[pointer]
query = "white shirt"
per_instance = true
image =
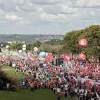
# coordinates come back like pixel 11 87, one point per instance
pixel 98 96
pixel 66 86
pixel 58 89
pixel 7 85
pixel 76 90
pixel 23 83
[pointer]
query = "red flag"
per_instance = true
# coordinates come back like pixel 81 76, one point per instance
pixel 49 57
pixel 88 84
pixel 31 57
pixel 66 57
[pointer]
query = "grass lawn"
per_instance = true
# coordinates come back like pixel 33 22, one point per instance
pixel 11 72
pixel 43 94
pixel 24 94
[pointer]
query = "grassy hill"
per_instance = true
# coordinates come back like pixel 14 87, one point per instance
pixel 26 94
pixel 11 72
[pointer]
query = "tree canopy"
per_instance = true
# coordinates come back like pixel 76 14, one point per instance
pixel 92 34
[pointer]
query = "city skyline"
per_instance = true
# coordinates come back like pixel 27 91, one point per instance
pixel 47 16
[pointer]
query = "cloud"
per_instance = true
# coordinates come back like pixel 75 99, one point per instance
pixel 59 16
pixel 13 17
pixel 23 22
pixel 48 6
pixel 47 2
pixel 86 3
pixel 59 9
pixel 52 17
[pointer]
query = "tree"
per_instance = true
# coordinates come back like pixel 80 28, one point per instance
pixel 55 42
pixel 92 34
pixel 56 49
pixel 16 46
pixel 71 42
pixel 35 44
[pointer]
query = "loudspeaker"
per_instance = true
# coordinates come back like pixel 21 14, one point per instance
pixel 57 61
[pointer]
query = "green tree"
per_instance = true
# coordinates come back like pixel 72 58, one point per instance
pixel 34 44
pixel 16 46
pixel 71 42
pixel 92 34
pixel 55 42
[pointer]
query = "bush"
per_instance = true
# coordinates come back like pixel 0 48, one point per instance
pixel 4 79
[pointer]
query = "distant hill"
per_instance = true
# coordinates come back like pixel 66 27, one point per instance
pixel 28 38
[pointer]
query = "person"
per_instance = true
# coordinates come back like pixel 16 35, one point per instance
pixel 81 96
pixel 39 84
pixel 98 95
pixel 58 90
pixel 16 71
pixel 32 86
pixel 61 85
pixel 21 78
pixel 7 86
pixel 94 96
pixel 54 88
pixel 21 84
pixel 27 84
pixel 88 96
pixel 66 87
pixel 66 95
pixel 59 96
pixel 13 88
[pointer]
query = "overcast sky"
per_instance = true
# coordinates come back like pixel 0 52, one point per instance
pixel 47 16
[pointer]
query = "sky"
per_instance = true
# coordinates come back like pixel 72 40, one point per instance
pixel 47 16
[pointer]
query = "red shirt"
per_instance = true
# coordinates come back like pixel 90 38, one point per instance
pixel 59 95
pixel 35 83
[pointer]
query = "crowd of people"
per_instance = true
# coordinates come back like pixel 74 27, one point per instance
pixel 62 84
pixel 76 79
